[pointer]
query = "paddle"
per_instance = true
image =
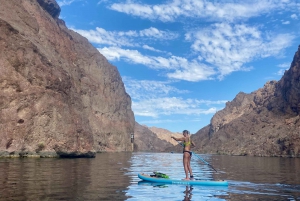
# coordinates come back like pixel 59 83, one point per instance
pixel 200 158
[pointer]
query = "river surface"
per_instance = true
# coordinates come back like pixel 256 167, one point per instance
pixel 113 176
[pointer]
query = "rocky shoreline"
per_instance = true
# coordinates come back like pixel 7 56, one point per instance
pixel 46 154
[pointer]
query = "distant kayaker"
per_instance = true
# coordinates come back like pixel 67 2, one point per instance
pixel 187 154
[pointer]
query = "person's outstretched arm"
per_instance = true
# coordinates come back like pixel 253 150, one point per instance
pixel 178 139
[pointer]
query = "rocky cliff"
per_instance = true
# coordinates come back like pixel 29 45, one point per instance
pixel 58 95
pixel 146 140
pixel 263 123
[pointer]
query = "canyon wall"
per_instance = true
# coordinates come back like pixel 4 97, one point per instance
pixel 58 95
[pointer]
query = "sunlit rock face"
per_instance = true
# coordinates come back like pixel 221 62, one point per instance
pixel 58 95
pixel 263 123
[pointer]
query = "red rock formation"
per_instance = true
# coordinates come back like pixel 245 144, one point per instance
pixel 263 123
pixel 58 94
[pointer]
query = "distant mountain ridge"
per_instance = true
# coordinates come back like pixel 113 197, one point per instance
pixel 165 134
pixel 262 123
pixel 146 140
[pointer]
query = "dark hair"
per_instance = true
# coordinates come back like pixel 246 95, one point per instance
pixel 186 131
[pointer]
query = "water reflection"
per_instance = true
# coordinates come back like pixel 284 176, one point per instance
pixel 101 178
pixel 258 169
pixel 30 179
pixel 188 193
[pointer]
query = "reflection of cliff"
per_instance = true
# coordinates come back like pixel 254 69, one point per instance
pixel 263 123
pixel 55 179
pixel 58 94
pixel 68 179
pixel 108 181
pixel 146 140
pixel 256 169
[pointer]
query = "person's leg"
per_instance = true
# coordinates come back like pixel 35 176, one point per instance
pixel 189 166
pixel 185 164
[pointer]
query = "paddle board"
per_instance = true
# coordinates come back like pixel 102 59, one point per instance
pixel 146 177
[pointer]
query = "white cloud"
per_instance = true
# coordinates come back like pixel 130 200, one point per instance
pixel 102 1
pixel 170 105
pixel 229 47
pixel 294 16
pixel 284 65
pixel 125 38
pixel 160 121
pixel 285 22
pixel 163 121
pixel 155 33
pixel 101 36
pixel 146 47
pixel 132 56
pixel 193 72
pixel 220 48
pixel 281 72
pixel 147 89
pixel 178 67
pixel 216 10
pixel 156 98
pixel 65 2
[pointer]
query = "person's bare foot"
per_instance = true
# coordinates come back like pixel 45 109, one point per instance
pixel 185 179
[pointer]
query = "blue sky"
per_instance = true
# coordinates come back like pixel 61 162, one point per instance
pixel 182 60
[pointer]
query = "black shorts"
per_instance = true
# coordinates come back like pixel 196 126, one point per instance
pixel 189 152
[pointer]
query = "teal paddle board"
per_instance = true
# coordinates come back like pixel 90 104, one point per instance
pixel 148 178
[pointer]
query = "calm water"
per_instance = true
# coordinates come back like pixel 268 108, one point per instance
pixel 113 176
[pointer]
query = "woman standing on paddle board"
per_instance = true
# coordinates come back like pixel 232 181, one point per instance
pixel 187 154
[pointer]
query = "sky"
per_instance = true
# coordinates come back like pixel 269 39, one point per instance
pixel 182 60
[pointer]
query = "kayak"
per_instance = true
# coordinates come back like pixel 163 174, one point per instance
pixel 148 178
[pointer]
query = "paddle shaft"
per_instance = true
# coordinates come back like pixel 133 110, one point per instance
pixel 200 158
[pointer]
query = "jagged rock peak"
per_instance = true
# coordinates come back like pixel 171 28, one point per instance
pixel 51 7
pixel 289 88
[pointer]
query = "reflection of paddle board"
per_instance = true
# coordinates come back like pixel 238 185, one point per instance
pixel 184 182
pixel 147 183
